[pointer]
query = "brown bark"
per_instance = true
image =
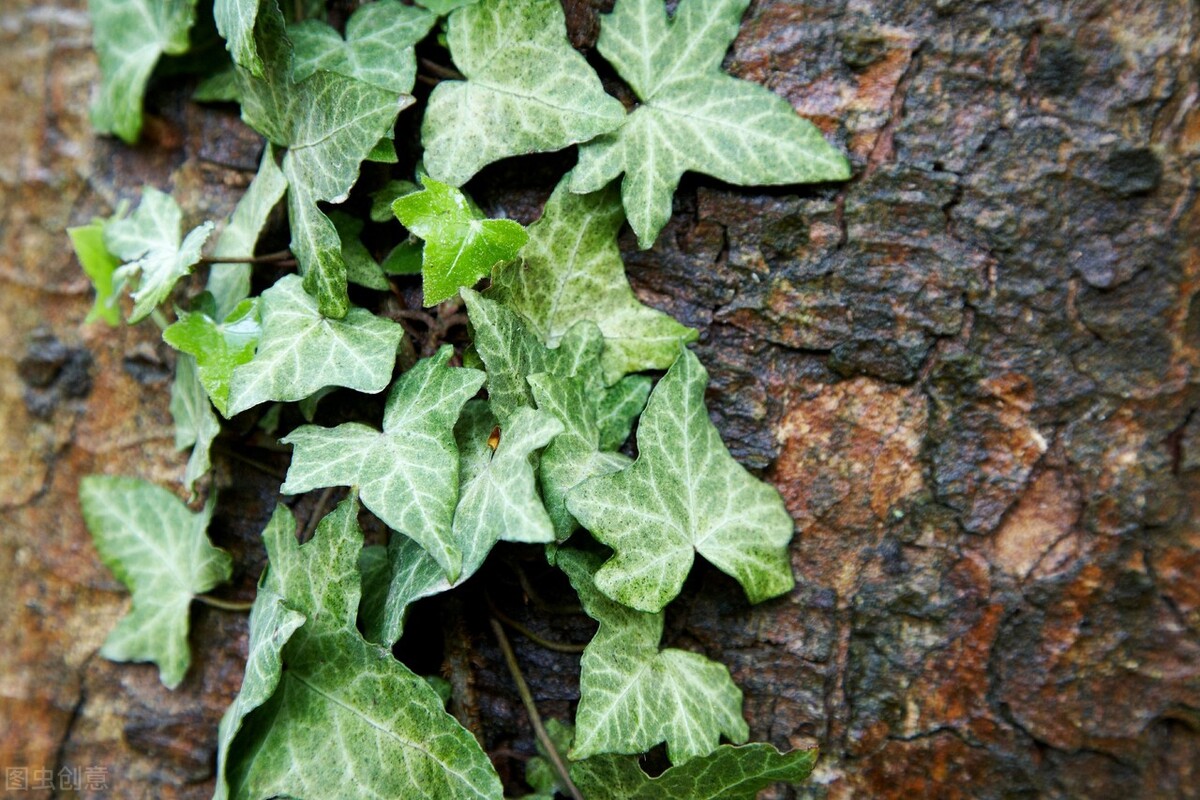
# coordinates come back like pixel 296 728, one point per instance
pixel 971 370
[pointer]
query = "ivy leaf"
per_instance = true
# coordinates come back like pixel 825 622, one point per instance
pixel 540 773
pixel 693 116
pixel 129 37
pixel 619 407
pixel 217 347
pixel 330 124
pixel 235 22
pixel 571 270
pixel 632 695
pixel 230 283
pixel 302 351
pixel 461 244
pixel 377 50
pixel 160 551
pixel 512 353
pixel 498 502
pixel 384 730
pixel 361 267
pixel 272 624
pixel 684 495
pixel 574 456
pixel 727 773
pixel 98 264
pixel 408 474
pixel 382 199
pixel 151 244
pixel 444 7
pixel 527 90
pixel 196 426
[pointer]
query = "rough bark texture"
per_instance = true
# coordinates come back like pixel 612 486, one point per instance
pixel 971 370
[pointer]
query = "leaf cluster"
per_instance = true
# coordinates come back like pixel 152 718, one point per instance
pixel 522 432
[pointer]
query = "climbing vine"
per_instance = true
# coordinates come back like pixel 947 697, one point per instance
pixel 532 398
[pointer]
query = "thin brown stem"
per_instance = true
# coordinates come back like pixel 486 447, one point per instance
pixel 442 71
pixel 510 658
pixel 549 644
pixel 226 605
pixel 265 469
pixel 267 258
pixel 317 513
pixel 537 599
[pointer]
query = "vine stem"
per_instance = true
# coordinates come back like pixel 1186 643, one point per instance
pixel 225 605
pixel 514 668
pixel 549 644
pixel 441 71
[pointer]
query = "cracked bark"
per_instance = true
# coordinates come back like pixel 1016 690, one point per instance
pixel 971 370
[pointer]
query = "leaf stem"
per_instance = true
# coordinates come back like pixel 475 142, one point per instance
pixel 549 644
pixel 160 319
pixel 442 72
pixel 225 605
pixel 510 658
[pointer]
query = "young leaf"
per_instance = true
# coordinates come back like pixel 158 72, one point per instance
pixel 230 283
pixel 684 495
pixel 632 695
pixel 574 456
pixel 196 426
pixel 98 264
pixel 512 353
pixel 572 270
pixel 302 351
pixel 377 50
pixel 383 730
pixel 727 773
pixel 461 245
pixel 693 116
pixel 129 36
pixel 150 243
pixel 408 474
pixel 218 348
pixel 160 551
pixel 235 22
pixel 498 502
pixel 527 90
pixel 330 124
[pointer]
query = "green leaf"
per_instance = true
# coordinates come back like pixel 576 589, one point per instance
pixel 129 37
pixel 444 7
pixel 693 116
pixel 512 353
pixel 498 502
pixel 218 347
pixel 160 551
pixel 619 407
pixel 230 283
pixel 235 22
pixel 377 50
pixel 684 495
pixel 302 351
pixel 361 267
pixel 382 199
pixel 632 695
pixel 330 124
pixel 196 426
pixel 383 730
pixel 384 152
pixel 98 264
pixel 574 456
pixel 572 270
pixel 272 624
pixel 727 773
pixel 527 90
pixel 220 87
pixel 540 773
pixel 408 474
pixel 151 245
pixel 461 244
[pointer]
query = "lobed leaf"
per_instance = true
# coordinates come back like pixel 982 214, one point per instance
pixel 160 551
pixel 196 426
pixel 98 264
pixel 693 117
pixel 685 494
pixel 217 348
pixel 527 90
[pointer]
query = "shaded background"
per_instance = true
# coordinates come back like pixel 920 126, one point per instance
pixel 971 370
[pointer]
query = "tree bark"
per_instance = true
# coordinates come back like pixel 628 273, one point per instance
pixel 971 370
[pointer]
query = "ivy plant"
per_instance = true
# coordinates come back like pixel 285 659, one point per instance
pixel 525 394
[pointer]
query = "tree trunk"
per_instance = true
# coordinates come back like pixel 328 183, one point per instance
pixel 971 370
